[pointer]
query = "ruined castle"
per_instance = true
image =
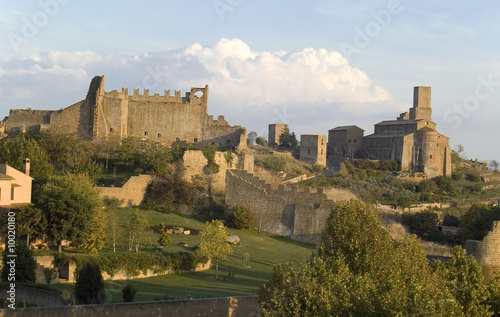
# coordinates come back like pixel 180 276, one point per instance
pixel 114 115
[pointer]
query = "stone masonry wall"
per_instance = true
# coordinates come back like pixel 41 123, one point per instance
pixel 299 213
pixel 132 192
pixel 487 251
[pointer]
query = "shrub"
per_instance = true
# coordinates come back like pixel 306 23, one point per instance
pixel 474 176
pixel 450 220
pixel 89 288
pixel 420 221
pixel 128 293
pixel 242 218
pixel 261 141
pixel 457 175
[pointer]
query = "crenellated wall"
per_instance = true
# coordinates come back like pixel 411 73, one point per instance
pixel 112 116
pixel 131 193
pixel 292 211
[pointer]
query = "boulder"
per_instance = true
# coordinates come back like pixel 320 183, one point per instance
pixel 178 230
pixel 233 239
pixel 170 231
pixel 187 232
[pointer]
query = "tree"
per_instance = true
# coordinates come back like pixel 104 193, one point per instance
pixel 29 222
pixel 358 270
pixel 146 155
pixel 288 140
pixel 128 293
pixel 242 218
pixel 111 205
pixel 69 152
pixel 89 287
pixel 214 243
pixel 69 203
pixel 14 151
pixel 97 236
pixel 137 230
pixel 477 221
pixel 464 279
pixel 261 141
pixel 494 165
pixel 252 136
pixel 25 265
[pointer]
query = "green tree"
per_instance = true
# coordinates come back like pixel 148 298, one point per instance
pixel 242 218
pixel 358 270
pixel 214 243
pixel 137 230
pixel 111 205
pixel 477 221
pixel 69 203
pixel 14 151
pixel 464 279
pixel 25 265
pixel 128 293
pixel 261 141
pixel 30 222
pixel 209 151
pixel 96 237
pixel 288 140
pixel 89 287
pixel 69 152
pixel 145 155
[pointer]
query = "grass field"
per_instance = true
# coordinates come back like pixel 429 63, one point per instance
pixel 262 251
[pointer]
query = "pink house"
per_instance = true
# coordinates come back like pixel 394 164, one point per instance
pixel 15 186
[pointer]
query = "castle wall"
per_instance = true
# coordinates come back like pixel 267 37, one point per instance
pixel 487 251
pixel 131 193
pixel 112 116
pixel 66 120
pixel 298 213
pixel 195 165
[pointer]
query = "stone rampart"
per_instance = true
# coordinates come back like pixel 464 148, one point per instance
pixel 487 251
pixel 292 211
pixel 131 193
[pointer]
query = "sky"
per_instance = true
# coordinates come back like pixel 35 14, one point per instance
pixel 311 64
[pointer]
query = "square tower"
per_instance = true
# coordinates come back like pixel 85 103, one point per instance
pixel 421 103
pixel 275 130
pixel 313 149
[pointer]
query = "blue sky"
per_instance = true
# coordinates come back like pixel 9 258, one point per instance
pixel 312 64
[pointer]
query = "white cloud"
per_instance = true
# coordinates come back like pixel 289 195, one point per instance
pixel 244 85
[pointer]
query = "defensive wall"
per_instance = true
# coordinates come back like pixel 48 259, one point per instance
pixel 487 251
pixel 132 193
pixel 112 116
pixel 244 306
pixel 296 212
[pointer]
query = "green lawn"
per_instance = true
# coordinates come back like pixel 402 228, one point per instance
pixel 261 250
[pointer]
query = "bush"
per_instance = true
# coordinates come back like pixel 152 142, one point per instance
pixel 457 176
pixel 242 218
pixel 474 176
pixel 421 221
pixel 128 293
pixel 450 220
pixel 261 141
pixel 89 287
